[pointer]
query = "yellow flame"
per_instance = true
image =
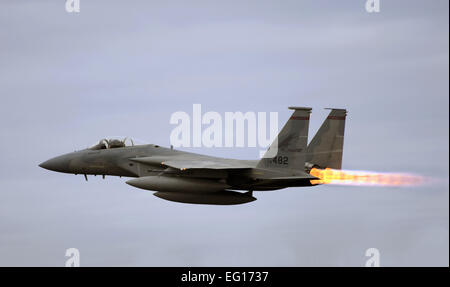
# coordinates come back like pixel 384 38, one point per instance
pixel 353 177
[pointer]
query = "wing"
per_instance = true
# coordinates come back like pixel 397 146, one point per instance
pixel 195 162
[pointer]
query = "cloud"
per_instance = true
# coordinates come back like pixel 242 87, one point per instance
pixel 115 69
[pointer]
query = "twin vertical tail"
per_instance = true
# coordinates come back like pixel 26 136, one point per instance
pixel 326 148
pixel 287 152
pixel 290 151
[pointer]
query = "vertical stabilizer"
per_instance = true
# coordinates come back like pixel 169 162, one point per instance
pixel 288 149
pixel 326 148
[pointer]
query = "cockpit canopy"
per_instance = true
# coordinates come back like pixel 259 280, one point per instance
pixel 112 143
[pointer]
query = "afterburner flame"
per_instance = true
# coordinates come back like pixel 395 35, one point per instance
pixel 353 177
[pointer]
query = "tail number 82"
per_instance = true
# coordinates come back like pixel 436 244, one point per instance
pixel 280 160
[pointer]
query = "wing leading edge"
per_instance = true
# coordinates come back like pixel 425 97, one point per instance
pixel 197 163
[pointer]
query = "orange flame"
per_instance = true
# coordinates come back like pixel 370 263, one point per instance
pixel 353 177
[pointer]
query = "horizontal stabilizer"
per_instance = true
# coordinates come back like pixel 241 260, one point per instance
pixel 308 176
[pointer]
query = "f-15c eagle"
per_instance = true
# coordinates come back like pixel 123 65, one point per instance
pixel 193 178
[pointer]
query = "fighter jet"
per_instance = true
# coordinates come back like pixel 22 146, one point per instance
pixel 194 178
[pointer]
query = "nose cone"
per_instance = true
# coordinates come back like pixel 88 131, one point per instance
pixel 60 163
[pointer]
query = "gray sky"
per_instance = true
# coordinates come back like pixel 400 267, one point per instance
pixel 67 80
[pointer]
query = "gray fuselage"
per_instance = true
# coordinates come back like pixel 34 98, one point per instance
pixel 121 161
